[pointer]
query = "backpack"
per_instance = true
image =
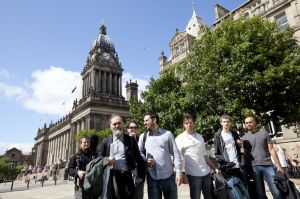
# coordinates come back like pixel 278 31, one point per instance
pixel 231 188
pixel 93 180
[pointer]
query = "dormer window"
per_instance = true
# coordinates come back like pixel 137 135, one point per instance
pixel 282 21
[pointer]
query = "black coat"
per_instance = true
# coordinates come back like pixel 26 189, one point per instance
pixel 79 161
pixel 220 151
pixel 286 187
pixel 132 154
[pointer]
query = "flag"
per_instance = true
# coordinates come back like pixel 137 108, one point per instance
pixel 73 89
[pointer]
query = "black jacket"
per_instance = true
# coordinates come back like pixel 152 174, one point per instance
pixel 132 154
pixel 79 161
pixel 220 151
pixel 286 187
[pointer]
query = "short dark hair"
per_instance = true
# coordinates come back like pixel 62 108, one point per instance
pixel 225 116
pixel 131 122
pixel 153 115
pixel 188 116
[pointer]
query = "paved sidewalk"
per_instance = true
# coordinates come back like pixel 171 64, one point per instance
pixel 65 190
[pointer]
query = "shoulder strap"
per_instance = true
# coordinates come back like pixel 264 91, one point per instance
pixel 144 142
pixel 109 141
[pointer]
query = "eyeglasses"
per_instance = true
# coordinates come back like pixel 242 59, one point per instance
pixel 133 127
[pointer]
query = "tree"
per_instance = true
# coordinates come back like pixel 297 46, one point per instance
pixel 8 170
pixel 95 136
pixel 242 65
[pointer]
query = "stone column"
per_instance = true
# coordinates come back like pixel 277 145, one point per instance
pixel 92 74
pixel 110 84
pixel 38 155
pixel 99 81
pixel 61 146
pixel 56 149
pixel 77 131
pixel 104 82
pixel 67 145
pixel 73 135
pixel 120 84
pixel 49 152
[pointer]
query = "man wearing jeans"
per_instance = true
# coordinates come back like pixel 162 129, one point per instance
pixel 192 149
pixel 160 152
pixel 260 148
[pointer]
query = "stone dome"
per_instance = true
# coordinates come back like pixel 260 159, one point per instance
pixel 103 41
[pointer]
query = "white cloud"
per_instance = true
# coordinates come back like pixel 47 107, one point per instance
pixel 141 81
pixel 4 73
pixel 51 91
pixel 13 91
pixel 24 147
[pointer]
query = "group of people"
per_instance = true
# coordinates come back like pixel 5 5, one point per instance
pixel 165 162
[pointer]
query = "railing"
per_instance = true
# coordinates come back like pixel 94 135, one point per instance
pixel 18 185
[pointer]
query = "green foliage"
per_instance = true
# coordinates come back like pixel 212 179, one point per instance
pixel 243 67
pixel 165 97
pixel 86 133
pixel 104 133
pixel 91 132
pixel 7 170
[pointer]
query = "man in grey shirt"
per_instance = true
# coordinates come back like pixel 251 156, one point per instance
pixel 160 152
pixel 258 145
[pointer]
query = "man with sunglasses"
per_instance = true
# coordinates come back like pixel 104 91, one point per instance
pixel 138 192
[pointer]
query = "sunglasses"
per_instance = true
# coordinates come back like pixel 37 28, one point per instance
pixel 133 127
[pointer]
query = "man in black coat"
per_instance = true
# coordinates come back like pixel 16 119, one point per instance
pixel 124 156
pixel 77 164
pixel 228 149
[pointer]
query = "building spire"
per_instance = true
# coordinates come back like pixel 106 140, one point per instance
pixel 103 29
pixel 194 10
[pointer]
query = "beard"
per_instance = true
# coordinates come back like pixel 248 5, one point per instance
pixel 117 132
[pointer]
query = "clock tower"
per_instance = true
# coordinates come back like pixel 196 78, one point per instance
pixel 102 74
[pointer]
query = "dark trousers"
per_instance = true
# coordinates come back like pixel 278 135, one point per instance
pixel 138 192
pixel 81 194
pixel 167 187
pixel 124 184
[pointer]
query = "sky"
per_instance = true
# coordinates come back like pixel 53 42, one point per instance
pixel 44 46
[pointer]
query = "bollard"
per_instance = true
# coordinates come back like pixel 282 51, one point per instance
pixel 42 183
pixel 28 181
pixel 12 185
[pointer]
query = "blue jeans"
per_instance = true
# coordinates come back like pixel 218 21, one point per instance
pixel 167 187
pixel 266 173
pixel 198 184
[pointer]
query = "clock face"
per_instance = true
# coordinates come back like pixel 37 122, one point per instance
pixel 106 56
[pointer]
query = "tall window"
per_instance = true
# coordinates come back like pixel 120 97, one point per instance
pixel 282 21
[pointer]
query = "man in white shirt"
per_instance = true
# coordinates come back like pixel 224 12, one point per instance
pixel 196 163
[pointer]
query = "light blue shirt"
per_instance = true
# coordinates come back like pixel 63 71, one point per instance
pixel 118 150
pixel 162 148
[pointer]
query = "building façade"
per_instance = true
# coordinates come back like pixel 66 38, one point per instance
pixel 101 97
